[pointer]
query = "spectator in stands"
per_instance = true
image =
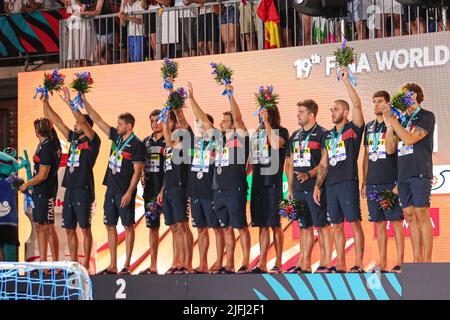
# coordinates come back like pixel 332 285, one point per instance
pixel 14 6
pixel 104 29
pixel 248 22
pixel 435 19
pixel 287 16
pixel 388 8
pixel 80 40
pixel 358 14
pixel 416 19
pixel 208 27
pixel 187 29
pixel 306 28
pixel 46 4
pixel 151 23
pixel 229 26
pixel 441 25
pixel 134 22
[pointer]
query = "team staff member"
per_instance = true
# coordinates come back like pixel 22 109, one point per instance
pixel 45 186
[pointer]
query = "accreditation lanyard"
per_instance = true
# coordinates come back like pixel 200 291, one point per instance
pixel 73 148
pixel 376 138
pixel 412 116
pixel 120 147
pixel 202 149
pixel 306 141
pixel 261 140
pixel 334 140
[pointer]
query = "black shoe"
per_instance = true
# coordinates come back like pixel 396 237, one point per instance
pixel 257 270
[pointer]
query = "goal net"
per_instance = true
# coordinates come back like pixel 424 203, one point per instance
pixel 44 281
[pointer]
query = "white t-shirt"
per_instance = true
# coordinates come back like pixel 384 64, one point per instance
pixel 49 4
pixel 134 29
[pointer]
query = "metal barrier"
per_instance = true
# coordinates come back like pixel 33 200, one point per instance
pixel 180 31
pixel 229 26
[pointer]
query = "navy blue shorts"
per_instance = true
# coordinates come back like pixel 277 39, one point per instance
pixel 230 207
pixel 264 205
pixel 415 192
pixel 343 202
pixel 155 221
pixel 44 209
pixel 377 214
pixel 175 207
pixel 113 210
pixel 77 208
pixel 203 214
pixel 314 215
pixel 229 15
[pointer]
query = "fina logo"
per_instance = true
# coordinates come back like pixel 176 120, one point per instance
pixel 304 66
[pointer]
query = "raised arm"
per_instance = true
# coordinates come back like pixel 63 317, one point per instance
pixel 357 114
pixel 95 116
pixel 198 112
pixel 181 119
pixel 167 134
pixel 236 112
pixel 55 118
pixel 275 140
pixel 87 129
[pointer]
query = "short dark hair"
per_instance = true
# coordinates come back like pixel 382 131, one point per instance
pixel 88 120
pixel 228 113
pixel 309 104
pixel 343 103
pixel 155 112
pixel 127 117
pixel 414 87
pixel 43 127
pixel 382 94
pixel 210 118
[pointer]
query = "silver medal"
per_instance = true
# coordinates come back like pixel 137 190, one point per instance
pixel 219 170
pixel 403 150
pixel 71 169
pixel 333 161
pixel 302 161
pixel 199 175
pixel 374 157
pixel 114 170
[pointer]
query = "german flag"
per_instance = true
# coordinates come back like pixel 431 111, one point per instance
pixel 269 15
